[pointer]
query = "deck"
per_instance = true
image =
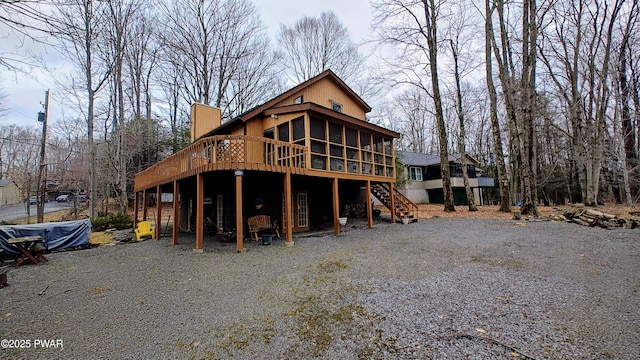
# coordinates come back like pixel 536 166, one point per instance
pixel 242 152
pixel 224 152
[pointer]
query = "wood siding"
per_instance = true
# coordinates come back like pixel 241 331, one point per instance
pixel 323 93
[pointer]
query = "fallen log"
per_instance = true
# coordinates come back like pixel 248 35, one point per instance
pixel 579 221
pixel 595 218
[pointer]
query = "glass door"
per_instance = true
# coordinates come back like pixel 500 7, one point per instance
pixel 301 212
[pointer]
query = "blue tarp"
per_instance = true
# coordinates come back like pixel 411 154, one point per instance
pixel 57 235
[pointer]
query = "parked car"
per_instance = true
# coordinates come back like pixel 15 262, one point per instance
pixel 64 198
pixel 34 199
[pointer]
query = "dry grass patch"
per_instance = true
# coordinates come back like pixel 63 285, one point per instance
pixel 101 238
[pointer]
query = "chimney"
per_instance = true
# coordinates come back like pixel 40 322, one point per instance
pixel 204 118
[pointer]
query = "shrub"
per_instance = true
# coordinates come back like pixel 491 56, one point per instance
pixel 118 220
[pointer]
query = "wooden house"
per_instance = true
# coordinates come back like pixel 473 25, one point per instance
pixel 299 158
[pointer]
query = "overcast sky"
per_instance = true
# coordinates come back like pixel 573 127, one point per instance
pixel 25 93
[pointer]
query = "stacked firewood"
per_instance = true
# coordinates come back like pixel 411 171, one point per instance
pixel 595 218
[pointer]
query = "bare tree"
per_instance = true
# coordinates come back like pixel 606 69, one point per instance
pixel 168 77
pixel 520 96
pixel 312 45
pixel 3 108
pixel 18 158
pixel 461 138
pixel 503 182
pixel 255 79
pixel 211 42
pixel 25 22
pixel 576 52
pixel 625 134
pixel 81 22
pixel 119 17
pixel 416 113
pixel 411 27
pixel 623 82
pixel 141 61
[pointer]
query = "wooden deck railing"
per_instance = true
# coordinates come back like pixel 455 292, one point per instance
pixel 410 207
pixel 224 152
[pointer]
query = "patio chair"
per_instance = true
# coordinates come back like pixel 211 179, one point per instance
pixel 261 223
pixel 144 228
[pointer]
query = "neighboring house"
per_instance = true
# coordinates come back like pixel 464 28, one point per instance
pixel 9 193
pixel 300 158
pixel 424 181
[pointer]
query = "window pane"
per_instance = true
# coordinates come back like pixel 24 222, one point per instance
pixel 336 150
pixel 365 141
pixel 352 153
pixel 352 137
pixel 415 173
pixel 337 164
pixel 319 162
pixel 471 171
pixel 353 167
pixel 456 170
pixel 335 133
pixel 387 146
pixel 318 147
pixel 298 128
pixel 377 144
pixel 283 132
pixel 318 130
pixel 366 156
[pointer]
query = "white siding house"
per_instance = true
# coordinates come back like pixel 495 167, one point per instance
pixel 424 183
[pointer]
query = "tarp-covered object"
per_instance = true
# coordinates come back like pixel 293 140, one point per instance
pixel 57 235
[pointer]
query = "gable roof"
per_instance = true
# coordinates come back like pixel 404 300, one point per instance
pixel 420 159
pixel 327 74
pixel 5 182
pixel 267 109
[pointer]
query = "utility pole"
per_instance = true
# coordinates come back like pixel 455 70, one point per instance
pixel 41 181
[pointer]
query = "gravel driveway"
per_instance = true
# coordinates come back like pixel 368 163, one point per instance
pixel 440 288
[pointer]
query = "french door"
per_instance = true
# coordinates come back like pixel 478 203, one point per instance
pixel 299 211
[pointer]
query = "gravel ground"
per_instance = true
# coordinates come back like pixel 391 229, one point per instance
pixel 440 288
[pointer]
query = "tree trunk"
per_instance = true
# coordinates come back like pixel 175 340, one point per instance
pixel 461 140
pixel 88 38
pixel 503 180
pixel 432 42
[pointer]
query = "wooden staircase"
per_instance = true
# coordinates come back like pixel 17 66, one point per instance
pixel 403 207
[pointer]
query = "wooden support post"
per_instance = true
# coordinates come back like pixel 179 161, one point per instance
pixel 288 209
pixel 392 204
pixel 145 201
pixel 135 209
pixel 239 223
pixel 369 210
pixel 159 212
pixel 199 212
pixel 336 208
pixel 176 212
